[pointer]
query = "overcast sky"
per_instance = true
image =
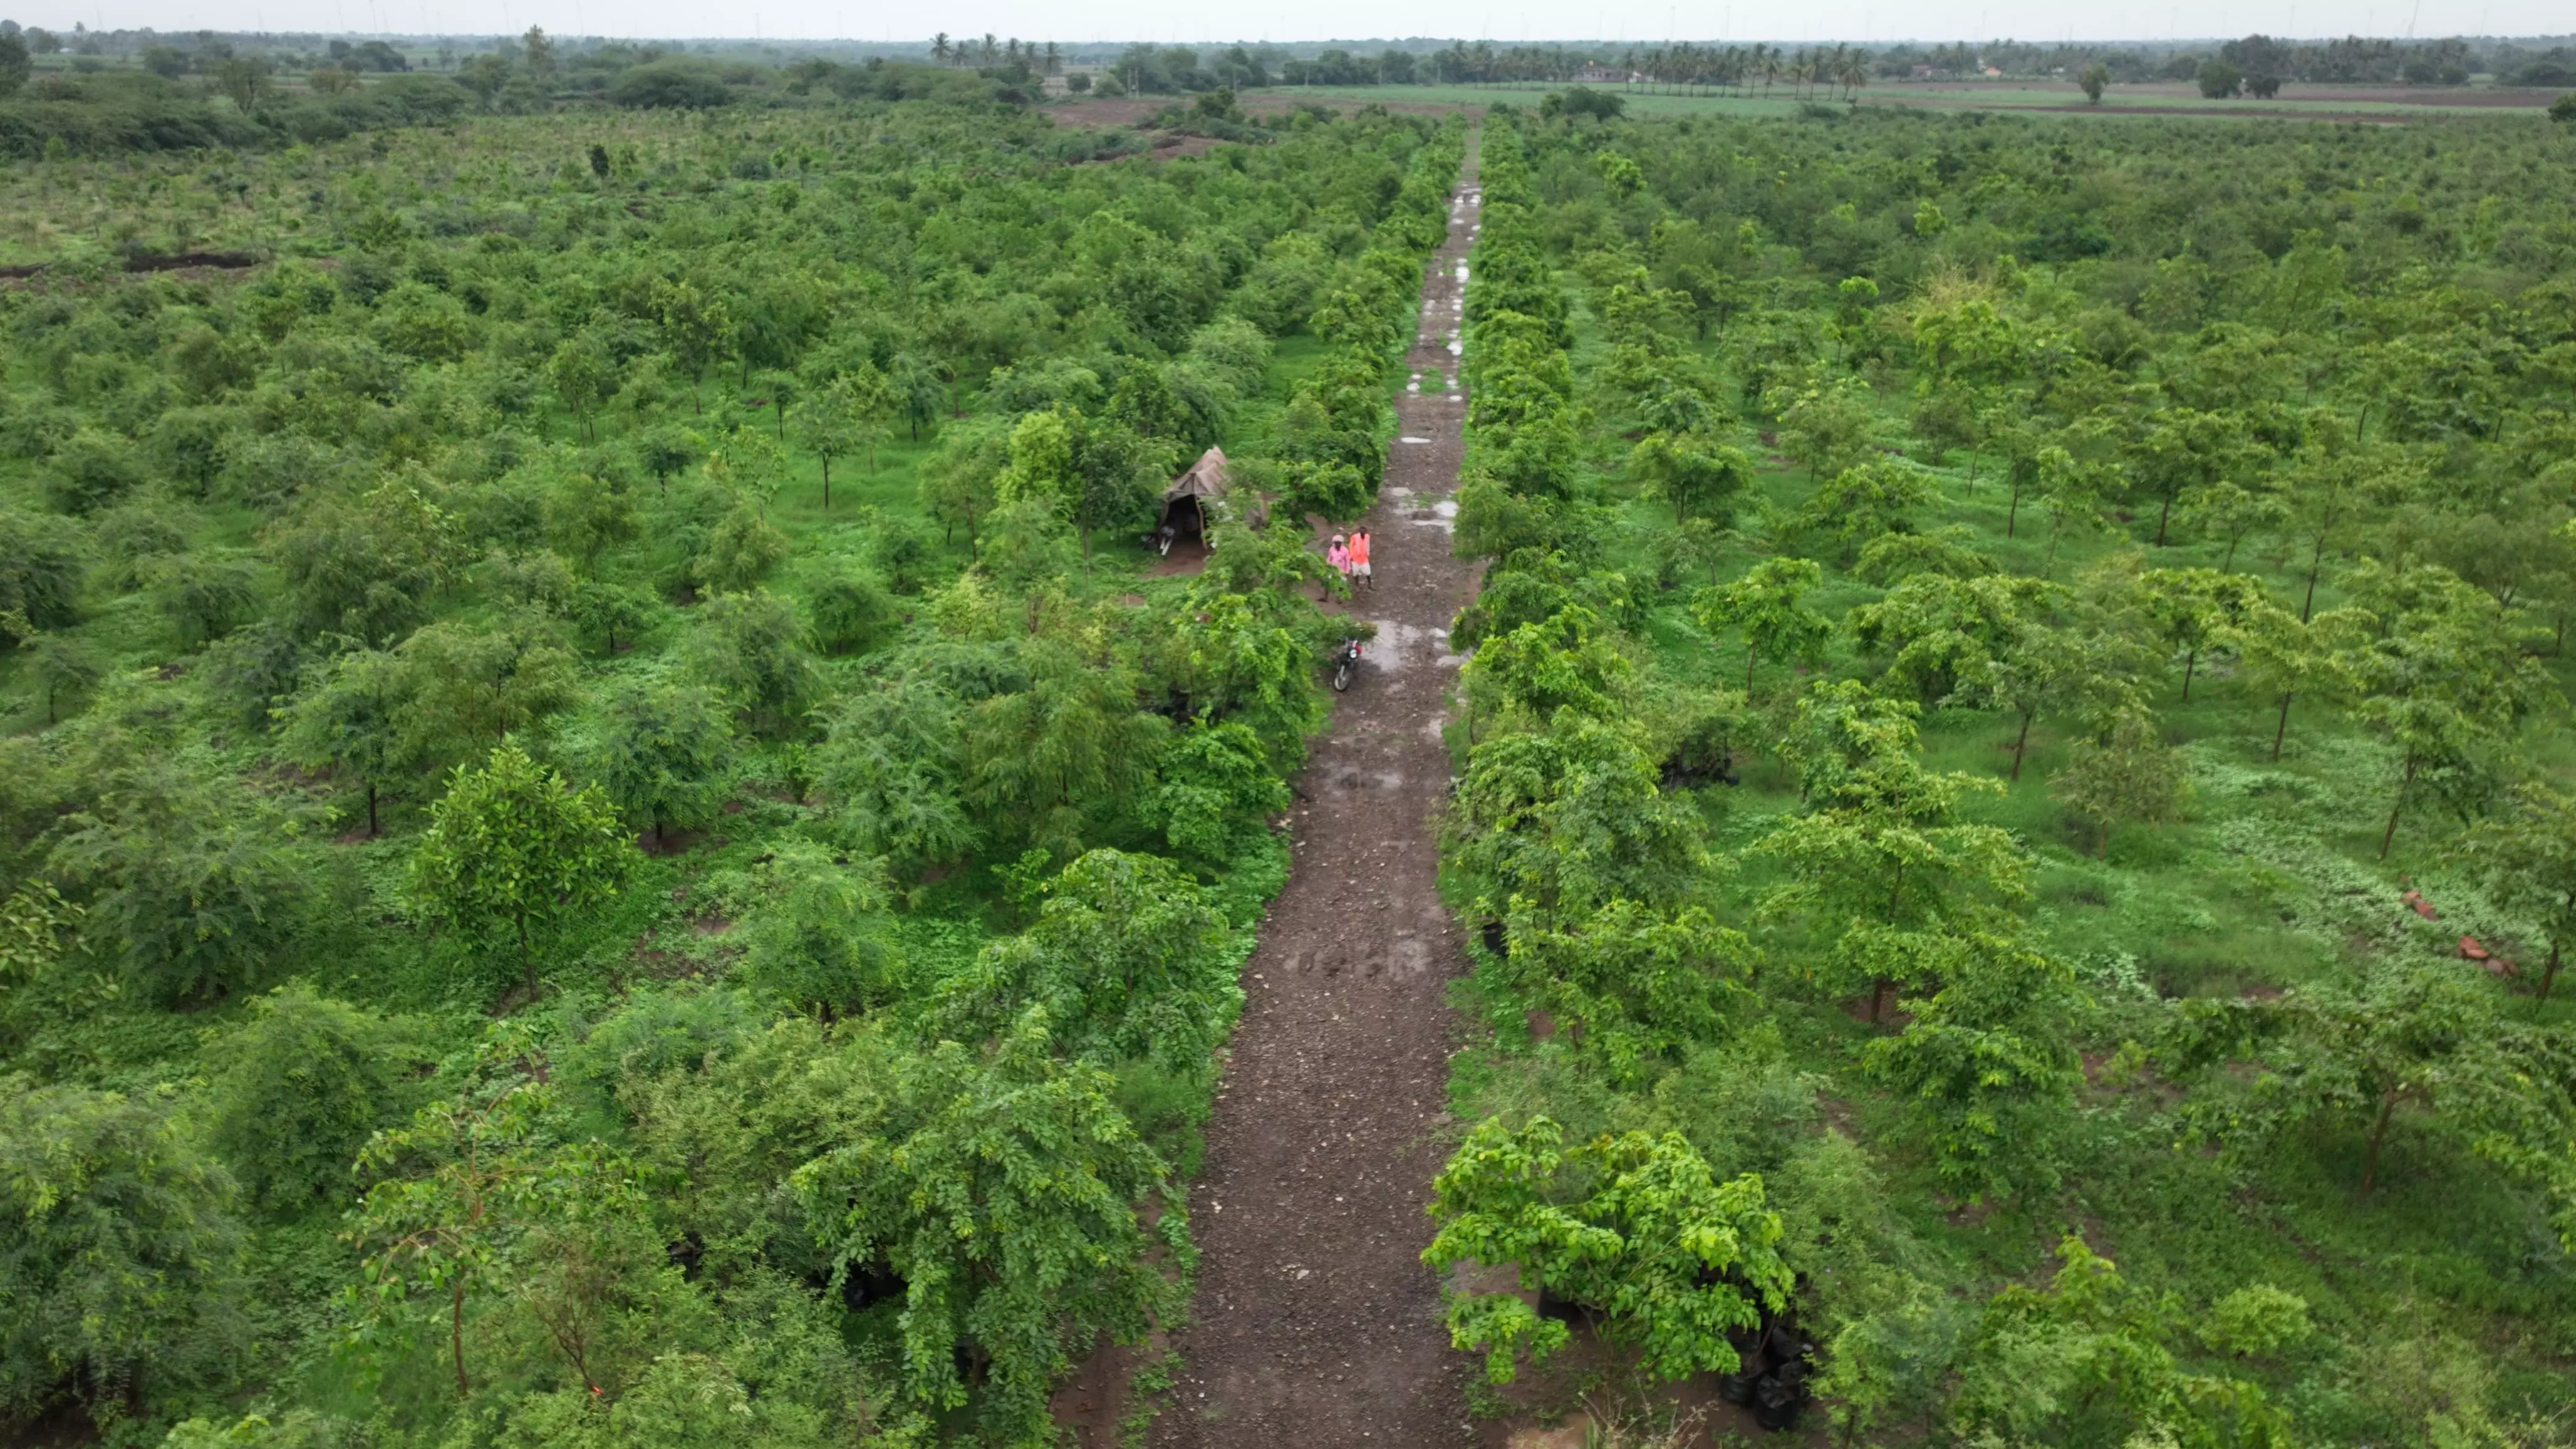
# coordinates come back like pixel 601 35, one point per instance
pixel 1195 21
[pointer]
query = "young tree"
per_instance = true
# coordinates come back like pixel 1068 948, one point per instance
pixel 1986 1065
pixel 2129 775
pixel 1699 477
pixel 749 467
pixel 2093 80
pixel 1941 633
pixel 2278 653
pixel 2528 855
pixel 1637 1228
pixel 814 932
pixel 694 328
pixel 123 1251
pixel 61 666
pixel 1002 1188
pixel 512 856
pixel 193 876
pixel 368 567
pixel 754 652
pixel 298 1088
pixel 2195 609
pixel 828 426
pixel 658 750
pixel 2446 678
pixel 1069 750
pixel 464 687
pixel 348 718
pixel 1767 603
pixel 582 376
pixel 587 514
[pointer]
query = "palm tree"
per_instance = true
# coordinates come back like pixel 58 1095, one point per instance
pixel 1054 61
pixel 991 50
pixel 939 50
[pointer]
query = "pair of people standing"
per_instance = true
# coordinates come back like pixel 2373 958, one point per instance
pixel 1351 556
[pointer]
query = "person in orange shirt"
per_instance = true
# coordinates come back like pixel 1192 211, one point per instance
pixel 1359 551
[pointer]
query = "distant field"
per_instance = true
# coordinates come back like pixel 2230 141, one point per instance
pixel 2159 99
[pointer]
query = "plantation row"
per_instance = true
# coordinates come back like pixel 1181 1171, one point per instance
pixel 608 843
pixel 2001 644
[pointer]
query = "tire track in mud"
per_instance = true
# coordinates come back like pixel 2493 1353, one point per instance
pixel 1315 1322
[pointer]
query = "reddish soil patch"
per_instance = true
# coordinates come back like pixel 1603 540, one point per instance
pixel 1316 1322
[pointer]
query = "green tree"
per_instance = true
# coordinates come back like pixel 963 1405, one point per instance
pixel 815 933
pixel 194 877
pixel 1637 1228
pixel 1067 752
pixel 1863 501
pixel 587 514
pixel 60 667
pixel 582 376
pixel 2279 653
pixel 2093 80
pixel 349 718
pixel 1942 633
pixel 1986 1065
pixel 658 751
pixel 1767 603
pixel 2445 680
pixel 368 567
pixel 512 857
pixel 2528 855
pixel 694 328
pixel 1699 477
pixel 298 1088
pixel 123 1255
pixel 2195 609
pixel 2130 775
pixel 1002 1188
pixel 464 687
pixel 477 1194
pixel 755 653
pixel 2091 1359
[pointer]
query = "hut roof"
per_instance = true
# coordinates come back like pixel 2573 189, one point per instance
pixel 1205 478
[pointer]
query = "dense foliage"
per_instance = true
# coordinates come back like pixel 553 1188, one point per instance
pixel 607 838
pixel 2017 729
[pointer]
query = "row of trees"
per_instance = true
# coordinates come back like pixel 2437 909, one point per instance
pixel 1892 893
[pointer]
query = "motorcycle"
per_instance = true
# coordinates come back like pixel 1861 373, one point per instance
pixel 1161 540
pixel 1345 659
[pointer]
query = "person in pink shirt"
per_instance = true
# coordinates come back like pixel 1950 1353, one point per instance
pixel 1339 556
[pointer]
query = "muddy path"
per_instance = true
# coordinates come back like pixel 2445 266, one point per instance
pixel 1316 1323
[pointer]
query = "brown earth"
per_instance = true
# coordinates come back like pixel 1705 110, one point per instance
pixel 1316 1323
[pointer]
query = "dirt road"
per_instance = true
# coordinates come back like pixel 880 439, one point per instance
pixel 1316 1323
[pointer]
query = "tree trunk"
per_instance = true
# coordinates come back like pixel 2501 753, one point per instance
pixel 2021 742
pixel 371 809
pixel 2164 517
pixel 2390 833
pixel 456 1335
pixel 827 482
pixel 2190 662
pixel 2378 1133
pixel 2316 561
pixel 2549 974
pixel 2282 729
pixel 2012 514
pixel 1877 999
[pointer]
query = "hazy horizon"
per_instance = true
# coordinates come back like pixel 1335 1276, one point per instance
pixel 1861 22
